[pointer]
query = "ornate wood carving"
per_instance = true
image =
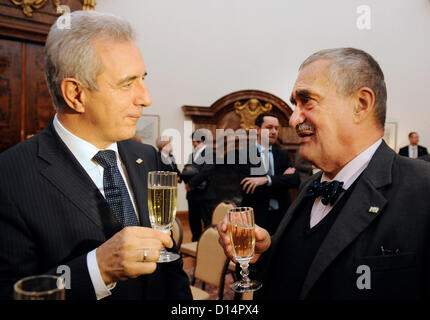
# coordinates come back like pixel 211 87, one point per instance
pixel 10 92
pixel 28 6
pixel 39 110
pixel 249 111
pixel 89 4
pixel 25 104
pixel 14 22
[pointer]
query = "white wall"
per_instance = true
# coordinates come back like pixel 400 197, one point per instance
pixel 197 51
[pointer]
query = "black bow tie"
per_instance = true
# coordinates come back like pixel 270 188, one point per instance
pixel 329 191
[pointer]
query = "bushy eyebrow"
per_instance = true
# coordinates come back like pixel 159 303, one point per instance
pixel 128 79
pixel 292 100
pixel 300 95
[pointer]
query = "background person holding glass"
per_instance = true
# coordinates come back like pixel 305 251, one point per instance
pixel 76 194
pixel 165 153
pixel 360 228
pixel 197 176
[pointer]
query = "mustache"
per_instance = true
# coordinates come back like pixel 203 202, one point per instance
pixel 304 127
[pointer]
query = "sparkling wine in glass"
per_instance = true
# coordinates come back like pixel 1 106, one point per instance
pixel 242 237
pixel 162 198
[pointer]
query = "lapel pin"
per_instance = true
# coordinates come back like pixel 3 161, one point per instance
pixel 373 209
pixel 139 161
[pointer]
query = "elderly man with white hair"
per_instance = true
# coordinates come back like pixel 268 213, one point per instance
pixel 359 229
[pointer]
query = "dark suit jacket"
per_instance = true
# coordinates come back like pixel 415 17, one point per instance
pixel 51 214
pixel 201 184
pixel 405 151
pixel 303 167
pixel 259 200
pixel 398 188
pixel 425 157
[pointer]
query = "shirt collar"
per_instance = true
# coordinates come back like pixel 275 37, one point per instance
pixel 261 148
pixel 164 155
pixel 81 149
pixel 199 151
pixel 355 167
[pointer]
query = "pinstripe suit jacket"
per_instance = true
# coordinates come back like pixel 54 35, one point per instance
pixel 51 214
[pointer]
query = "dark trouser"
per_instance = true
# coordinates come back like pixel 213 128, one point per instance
pixel 199 210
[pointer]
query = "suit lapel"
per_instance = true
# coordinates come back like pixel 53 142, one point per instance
pixel 137 172
pixel 200 159
pixel 276 159
pixel 277 237
pixel 354 217
pixel 257 162
pixel 68 176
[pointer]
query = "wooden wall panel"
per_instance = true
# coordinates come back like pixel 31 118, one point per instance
pixel 38 103
pixel 14 23
pixel 10 92
pixel 25 104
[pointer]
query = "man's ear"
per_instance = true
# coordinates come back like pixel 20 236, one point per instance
pixel 364 104
pixel 73 94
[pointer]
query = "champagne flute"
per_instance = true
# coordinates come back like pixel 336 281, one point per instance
pixel 162 198
pixel 242 237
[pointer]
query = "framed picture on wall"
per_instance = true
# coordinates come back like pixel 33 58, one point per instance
pixel 390 134
pixel 148 128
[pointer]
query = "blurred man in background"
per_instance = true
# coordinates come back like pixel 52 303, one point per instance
pixel 267 192
pixel 413 150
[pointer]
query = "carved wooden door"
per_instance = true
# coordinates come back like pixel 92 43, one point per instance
pixel 25 105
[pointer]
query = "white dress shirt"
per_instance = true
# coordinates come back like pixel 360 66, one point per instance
pixel 413 152
pixel 266 154
pixel 198 152
pixel 166 158
pixel 84 152
pixel 347 175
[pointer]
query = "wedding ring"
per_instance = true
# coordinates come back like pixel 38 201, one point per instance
pixel 144 255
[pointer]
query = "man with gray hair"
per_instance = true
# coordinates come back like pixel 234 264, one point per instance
pixel 359 229
pixel 74 197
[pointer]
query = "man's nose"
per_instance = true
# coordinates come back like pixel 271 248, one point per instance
pixel 297 117
pixel 143 97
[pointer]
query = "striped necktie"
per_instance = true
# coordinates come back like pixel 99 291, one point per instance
pixel 116 192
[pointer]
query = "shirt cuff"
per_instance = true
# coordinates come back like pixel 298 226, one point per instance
pixel 269 182
pixel 101 289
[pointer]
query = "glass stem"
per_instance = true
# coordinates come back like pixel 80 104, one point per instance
pixel 244 272
pixel 163 252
